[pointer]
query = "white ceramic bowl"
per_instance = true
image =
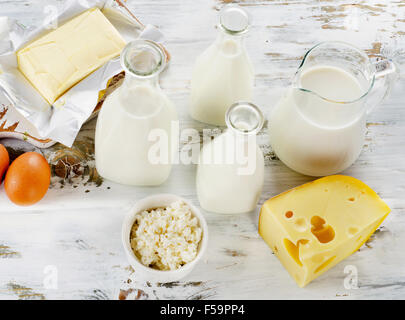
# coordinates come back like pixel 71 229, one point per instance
pixel 153 275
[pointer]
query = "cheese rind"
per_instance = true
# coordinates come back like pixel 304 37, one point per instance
pixel 315 226
pixel 57 61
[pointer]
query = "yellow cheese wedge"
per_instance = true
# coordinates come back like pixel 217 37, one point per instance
pixel 62 58
pixel 315 226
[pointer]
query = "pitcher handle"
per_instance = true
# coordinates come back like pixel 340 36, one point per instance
pixel 385 67
pixel 387 73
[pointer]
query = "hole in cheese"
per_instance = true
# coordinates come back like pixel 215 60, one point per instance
pixel 324 233
pixel 352 199
pixel 317 222
pixel 352 231
pixel 300 224
pixel 294 250
pixel 325 264
pixel 303 241
pixel 289 214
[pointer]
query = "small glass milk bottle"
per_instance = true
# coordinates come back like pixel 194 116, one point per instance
pixel 223 73
pixel 133 117
pixel 230 172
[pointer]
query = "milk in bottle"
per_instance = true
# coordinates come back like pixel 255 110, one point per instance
pixel 223 73
pixel 130 116
pixel 230 172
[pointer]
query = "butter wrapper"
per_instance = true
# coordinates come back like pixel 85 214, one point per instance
pixel 61 121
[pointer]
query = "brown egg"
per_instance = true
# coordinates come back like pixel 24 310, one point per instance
pixel 28 178
pixel 4 161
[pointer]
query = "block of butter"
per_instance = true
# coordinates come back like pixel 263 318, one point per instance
pixel 313 227
pixel 57 61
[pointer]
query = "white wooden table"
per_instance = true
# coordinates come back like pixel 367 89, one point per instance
pixel 75 231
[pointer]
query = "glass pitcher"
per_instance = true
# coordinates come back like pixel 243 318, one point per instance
pixel 318 127
pixel 230 172
pixel 133 117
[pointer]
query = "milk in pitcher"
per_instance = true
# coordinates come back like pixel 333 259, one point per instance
pixel 311 131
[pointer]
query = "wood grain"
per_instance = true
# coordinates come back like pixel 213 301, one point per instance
pixel 77 227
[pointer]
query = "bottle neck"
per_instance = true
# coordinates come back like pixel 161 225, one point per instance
pixel 234 24
pixel 234 20
pixel 244 119
pixel 224 36
pixel 142 61
pixel 133 81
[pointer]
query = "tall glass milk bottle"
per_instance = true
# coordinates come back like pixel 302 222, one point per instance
pixel 134 118
pixel 223 73
pixel 230 172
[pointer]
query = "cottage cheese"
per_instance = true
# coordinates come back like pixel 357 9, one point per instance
pixel 166 238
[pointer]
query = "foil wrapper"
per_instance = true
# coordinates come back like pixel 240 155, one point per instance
pixel 39 122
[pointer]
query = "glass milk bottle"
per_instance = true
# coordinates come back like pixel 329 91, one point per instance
pixel 132 118
pixel 223 73
pixel 230 172
pixel 318 127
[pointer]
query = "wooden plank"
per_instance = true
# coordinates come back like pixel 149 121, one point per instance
pixel 76 228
